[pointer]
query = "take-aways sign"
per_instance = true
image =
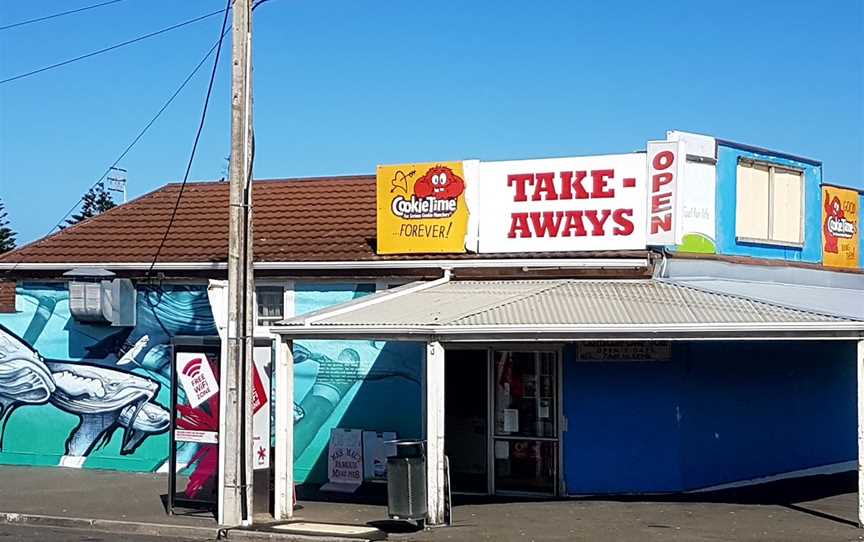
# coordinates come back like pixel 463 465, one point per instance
pixel 563 204
pixel 422 208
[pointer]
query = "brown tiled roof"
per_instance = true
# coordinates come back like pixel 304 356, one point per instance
pixel 313 219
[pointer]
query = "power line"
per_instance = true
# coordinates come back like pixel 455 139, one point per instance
pixel 55 15
pixel 110 48
pixel 197 138
pixel 140 134
pixel 146 126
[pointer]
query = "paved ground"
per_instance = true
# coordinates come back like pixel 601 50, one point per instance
pixel 816 510
pixel 89 493
pixel 14 533
pixel 819 509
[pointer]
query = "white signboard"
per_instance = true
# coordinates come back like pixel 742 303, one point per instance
pixel 196 377
pixel 201 437
pixel 345 460
pixel 665 169
pixel 262 356
pixel 563 204
pixel 697 190
pixel 377 447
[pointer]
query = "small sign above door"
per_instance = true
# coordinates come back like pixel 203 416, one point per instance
pixel 624 351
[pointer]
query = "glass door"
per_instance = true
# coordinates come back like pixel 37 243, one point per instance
pixel 525 424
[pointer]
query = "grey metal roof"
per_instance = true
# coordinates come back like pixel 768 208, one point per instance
pixel 563 307
pixel 828 292
pixel 843 302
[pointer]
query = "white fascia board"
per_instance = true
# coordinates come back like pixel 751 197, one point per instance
pixel 381 297
pixel 762 330
pixel 531 263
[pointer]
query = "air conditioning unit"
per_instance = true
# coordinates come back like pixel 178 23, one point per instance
pixel 96 297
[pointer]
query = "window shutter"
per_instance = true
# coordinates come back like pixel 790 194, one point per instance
pixel 786 204
pixel 751 209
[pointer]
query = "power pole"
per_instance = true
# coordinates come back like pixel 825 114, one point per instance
pixel 236 453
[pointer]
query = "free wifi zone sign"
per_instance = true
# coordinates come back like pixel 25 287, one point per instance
pixel 196 377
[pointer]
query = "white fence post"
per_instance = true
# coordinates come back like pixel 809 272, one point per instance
pixel 435 432
pixel 284 460
pixel 859 369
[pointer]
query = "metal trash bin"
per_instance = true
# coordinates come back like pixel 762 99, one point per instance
pixel 406 481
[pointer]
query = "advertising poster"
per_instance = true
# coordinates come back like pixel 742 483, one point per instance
pixel 196 377
pixel 261 371
pixel 563 204
pixel 421 208
pixel 840 227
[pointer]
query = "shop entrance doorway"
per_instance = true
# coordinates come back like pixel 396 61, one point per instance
pixel 525 422
pixel 502 421
pixel 466 413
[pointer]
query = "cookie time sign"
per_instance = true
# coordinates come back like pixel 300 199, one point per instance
pixel 563 204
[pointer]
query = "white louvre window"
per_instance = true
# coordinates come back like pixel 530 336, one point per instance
pixel 271 304
pixel 769 205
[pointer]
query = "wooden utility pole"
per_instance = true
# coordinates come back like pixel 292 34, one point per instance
pixel 235 491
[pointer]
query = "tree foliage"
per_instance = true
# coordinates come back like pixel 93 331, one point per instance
pixel 96 201
pixel 7 234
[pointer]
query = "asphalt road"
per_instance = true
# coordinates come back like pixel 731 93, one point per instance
pixel 16 533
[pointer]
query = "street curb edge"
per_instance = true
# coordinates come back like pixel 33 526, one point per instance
pixel 111 526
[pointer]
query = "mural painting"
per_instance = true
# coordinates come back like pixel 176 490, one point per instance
pixel 372 385
pixel 74 394
pixel 79 395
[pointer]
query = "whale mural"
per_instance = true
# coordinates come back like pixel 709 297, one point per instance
pixel 90 396
pixel 103 399
pixel 24 378
pixel 100 397
pixel 79 395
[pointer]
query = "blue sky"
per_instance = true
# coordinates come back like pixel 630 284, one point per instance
pixel 342 86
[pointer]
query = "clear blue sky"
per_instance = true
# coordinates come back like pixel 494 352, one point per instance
pixel 341 86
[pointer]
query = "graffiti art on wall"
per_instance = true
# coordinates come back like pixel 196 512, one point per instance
pixel 82 395
pixel 77 395
pixel 103 399
pixel 371 385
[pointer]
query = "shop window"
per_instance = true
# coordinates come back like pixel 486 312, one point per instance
pixel 271 304
pixel 770 204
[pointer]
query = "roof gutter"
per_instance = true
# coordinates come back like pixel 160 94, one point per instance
pixel 525 263
pixel 461 333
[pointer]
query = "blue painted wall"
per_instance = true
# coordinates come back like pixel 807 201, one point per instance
pixel 727 164
pixel 621 427
pixel 716 413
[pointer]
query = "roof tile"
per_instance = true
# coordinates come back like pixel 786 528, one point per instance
pixel 314 219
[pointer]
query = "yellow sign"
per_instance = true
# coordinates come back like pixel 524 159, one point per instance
pixel 840 227
pixel 421 208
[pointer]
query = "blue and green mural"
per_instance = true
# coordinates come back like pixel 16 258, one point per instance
pixel 74 394
pixel 82 395
pixel 372 385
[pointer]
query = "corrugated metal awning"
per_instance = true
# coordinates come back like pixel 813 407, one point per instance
pixel 564 309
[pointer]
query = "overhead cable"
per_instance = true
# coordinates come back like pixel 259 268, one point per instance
pixel 55 15
pixel 107 49
pixel 195 143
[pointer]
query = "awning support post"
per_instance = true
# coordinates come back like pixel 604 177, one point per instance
pixel 859 369
pixel 283 508
pixel 434 433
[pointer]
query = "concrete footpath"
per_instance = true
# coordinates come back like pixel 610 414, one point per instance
pixel 821 509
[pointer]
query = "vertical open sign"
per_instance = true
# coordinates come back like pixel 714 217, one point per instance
pixel 665 169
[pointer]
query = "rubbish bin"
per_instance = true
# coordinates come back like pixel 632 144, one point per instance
pixel 406 481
